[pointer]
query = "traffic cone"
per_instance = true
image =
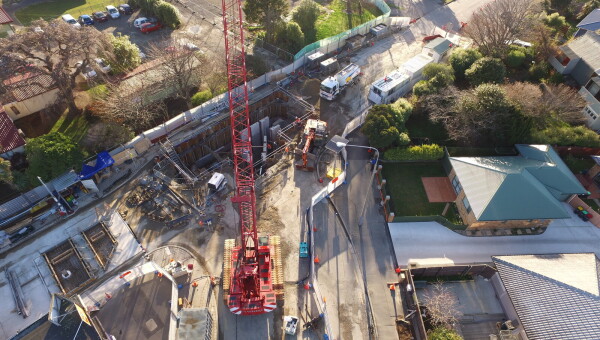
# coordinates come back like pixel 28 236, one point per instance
pixel 392 287
pixel 317 259
pixel 194 284
pixel 306 286
pixel 397 270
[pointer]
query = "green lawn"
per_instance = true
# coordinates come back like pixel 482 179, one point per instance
pixel 336 19
pixel 407 192
pixel 75 128
pixel 578 164
pixel 54 9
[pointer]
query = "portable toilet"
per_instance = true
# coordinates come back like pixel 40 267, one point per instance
pixel 329 66
pixel 216 182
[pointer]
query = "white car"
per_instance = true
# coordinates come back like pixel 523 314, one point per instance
pixel 87 72
pixel 68 18
pixel 140 21
pixel 102 65
pixel 113 12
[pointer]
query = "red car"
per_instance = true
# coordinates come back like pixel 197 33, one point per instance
pixel 150 26
pixel 100 17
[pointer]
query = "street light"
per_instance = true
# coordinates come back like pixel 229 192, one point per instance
pixel 341 143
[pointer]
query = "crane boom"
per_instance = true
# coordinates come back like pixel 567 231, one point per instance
pixel 248 289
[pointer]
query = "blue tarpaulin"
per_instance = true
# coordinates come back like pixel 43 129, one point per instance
pixel 104 160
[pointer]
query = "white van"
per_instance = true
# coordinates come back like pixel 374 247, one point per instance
pixel 68 18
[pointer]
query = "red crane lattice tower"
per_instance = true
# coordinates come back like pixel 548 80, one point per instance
pixel 249 289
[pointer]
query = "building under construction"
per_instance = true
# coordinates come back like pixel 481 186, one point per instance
pixel 68 268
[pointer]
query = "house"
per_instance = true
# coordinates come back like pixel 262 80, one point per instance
pixel 438 48
pixel 581 60
pixel 553 296
pixel 590 23
pixel 11 141
pixel 5 24
pixel 28 93
pixel 520 191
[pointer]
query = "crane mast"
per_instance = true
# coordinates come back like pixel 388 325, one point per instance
pixel 247 281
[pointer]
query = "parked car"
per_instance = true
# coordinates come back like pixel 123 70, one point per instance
pixel 102 65
pixel 150 27
pixel 125 9
pixel 113 12
pixel 100 17
pixel 68 18
pixel 23 232
pixel 140 21
pixel 88 72
pixel 86 20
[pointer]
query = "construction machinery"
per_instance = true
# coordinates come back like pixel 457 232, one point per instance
pixel 252 271
pixel 315 135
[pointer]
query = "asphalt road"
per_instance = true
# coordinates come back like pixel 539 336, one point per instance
pixel 422 240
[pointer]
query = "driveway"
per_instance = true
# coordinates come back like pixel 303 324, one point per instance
pixel 423 240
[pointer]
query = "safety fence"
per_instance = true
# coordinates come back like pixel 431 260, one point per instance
pixel 332 43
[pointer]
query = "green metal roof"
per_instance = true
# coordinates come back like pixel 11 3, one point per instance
pixel 439 45
pixel 529 186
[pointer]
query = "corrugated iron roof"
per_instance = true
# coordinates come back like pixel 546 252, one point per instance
pixel 10 138
pixel 591 22
pixel 439 45
pixel 585 47
pixel 4 17
pixel 556 296
pixel 26 86
pixel 522 187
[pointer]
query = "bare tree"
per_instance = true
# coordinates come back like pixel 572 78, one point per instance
pixel 499 22
pixel 180 67
pixel 55 49
pixel 543 40
pixel 133 107
pixel 442 305
pixel 547 103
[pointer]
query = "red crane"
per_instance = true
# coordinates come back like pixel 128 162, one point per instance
pixel 247 276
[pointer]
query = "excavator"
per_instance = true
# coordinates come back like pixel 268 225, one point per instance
pixel 315 135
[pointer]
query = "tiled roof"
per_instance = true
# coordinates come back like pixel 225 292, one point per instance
pixel 26 86
pixel 9 135
pixel 4 17
pixel 556 296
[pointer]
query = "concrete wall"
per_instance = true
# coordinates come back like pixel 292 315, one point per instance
pixel 31 105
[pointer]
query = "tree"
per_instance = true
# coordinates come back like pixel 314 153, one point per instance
pixel 482 116
pixel 306 15
pixel 51 155
pixel 438 75
pixel 55 51
pixel 5 171
pixel 179 68
pixel 384 125
pixel 587 8
pixel 442 305
pixel 167 14
pixel 556 22
pixel 201 97
pixel 539 71
pixel 486 70
pixel 133 107
pixel 548 105
pixel 290 37
pixel 267 12
pixel 461 59
pixel 125 56
pixel 501 21
pixel 443 333
pixel 543 41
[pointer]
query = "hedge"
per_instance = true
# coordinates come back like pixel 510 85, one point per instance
pixel 415 153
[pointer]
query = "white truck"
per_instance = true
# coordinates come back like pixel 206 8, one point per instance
pixel 334 85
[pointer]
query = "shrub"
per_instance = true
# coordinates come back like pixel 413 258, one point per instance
pixel 461 59
pixel 289 37
pixel 167 14
pixel 384 125
pixel 486 70
pixel 422 88
pixel 401 111
pixel 201 97
pixel 98 92
pixel 415 153
pixel 443 333
pixel 438 75
pixel 567 135
pixel 515 58
pixel 50 155
pixel 556 78
pixel 539 71
pixel 403 139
